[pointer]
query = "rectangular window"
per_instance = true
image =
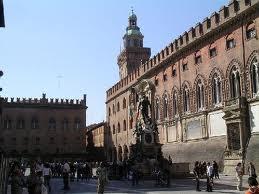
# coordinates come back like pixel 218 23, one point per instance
pixel 174 72
pixel 198 59
pixel 185 67
pixel 213 52
pixel 230 43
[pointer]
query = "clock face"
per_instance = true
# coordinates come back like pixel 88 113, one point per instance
pixel 148 138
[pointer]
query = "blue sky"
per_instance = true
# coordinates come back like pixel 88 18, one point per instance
pixel 69 48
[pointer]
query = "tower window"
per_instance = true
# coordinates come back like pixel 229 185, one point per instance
pixel 250 31
pixel 213 52
pixel 185 67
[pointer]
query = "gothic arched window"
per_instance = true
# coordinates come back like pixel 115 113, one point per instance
pixel 124 103
pixel 124 125
pixel 255 76
pixel 7 123
pixel 175 109
pixel 186 99
pixel 65 124
pixel 52 123
pixel 165 106
pixel 200 95
pixel 113 109
pixel 235 83
pixel 118 106
pixel 157 112
pixel 119 128
pixel 216 89
pixel 20 123
pixel 34 123
pixel 77 123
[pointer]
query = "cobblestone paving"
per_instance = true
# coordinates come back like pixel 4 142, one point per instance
pixel 178 186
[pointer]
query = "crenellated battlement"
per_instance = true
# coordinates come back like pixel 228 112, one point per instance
pixel 44 100
pixel 208 24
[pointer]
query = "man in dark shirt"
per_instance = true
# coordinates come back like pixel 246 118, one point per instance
pixel 197 176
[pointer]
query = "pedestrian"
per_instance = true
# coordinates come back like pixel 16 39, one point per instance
pixel 34 182
pixel 209 177
pixel 215 169
pixel 239 175
pixel 17 182
pixel 47 175
pixel 102 178
pixel 66 170
pixel 253 186
pixel 135 176
pixel 251 170
pixel 196 173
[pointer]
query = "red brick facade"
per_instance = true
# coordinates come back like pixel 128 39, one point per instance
pixel 43 126
pixel 195 76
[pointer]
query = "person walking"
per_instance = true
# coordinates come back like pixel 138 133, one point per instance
pixel 196 172
pixel 102 178
pixel 47 175
pixel 17 182
pixel 253 186
pixel 209 177
pixel 251 170
pixel 66 170
pixel 239 175
pixel 215 169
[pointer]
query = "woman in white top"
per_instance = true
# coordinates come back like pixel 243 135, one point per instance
pixel 47 175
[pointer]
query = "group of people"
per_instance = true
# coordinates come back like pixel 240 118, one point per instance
pixel 206 170
pixel 252 182
pixel 37 182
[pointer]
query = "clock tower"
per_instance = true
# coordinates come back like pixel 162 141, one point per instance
pixel 133 53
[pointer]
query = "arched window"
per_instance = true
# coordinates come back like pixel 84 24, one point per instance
pixel 186 99
pixel 65 124
pixel 165 106
pixel 113 109
pixel 52 123
pixel 216 89
pixel 34 123
pixel 212 50
pixel 175 109
pixel 77 123
pixel 124 125
pixel 235 83
pixel 109 111
pixel 200 95
pixel 250 31
pixel 7 123
pixel 230 42
pixel 119 128
pixel 197 57
pixel 113 129
pixel 124 103
pixel 157 112
pixel 20 123
pixel 118 106
pixel 255 76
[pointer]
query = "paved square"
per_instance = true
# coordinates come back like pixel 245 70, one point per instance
pixel 226 184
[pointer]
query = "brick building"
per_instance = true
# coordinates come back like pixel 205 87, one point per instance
pixel 43 126
pixel 203 88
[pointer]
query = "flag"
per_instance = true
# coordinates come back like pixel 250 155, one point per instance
pixel 2 23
